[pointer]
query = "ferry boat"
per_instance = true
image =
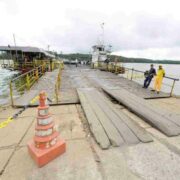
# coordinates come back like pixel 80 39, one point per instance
pixel 101 59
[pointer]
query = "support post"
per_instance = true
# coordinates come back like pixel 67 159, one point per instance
pixel 172 88
pixel 52 66
pixel 127 73
pixel 116 69
pixel 59 81
pixel 56 93
pixel 37 74
pixel 27 82
pixel 132 74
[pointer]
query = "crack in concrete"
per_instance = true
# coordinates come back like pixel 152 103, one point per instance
pixel 16 148
pixel 8 147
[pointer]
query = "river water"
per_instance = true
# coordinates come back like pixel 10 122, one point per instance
pixel 5 76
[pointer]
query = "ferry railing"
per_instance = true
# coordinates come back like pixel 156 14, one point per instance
pixel 58 84
pixel 24 82
pixel 111 67
pixel 19 85
pixel 137 75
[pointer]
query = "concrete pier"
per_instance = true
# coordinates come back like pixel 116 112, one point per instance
pixel 85 159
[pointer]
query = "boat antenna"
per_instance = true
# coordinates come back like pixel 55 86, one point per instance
pixel 48 47
pixel 15 44
pixel 102 27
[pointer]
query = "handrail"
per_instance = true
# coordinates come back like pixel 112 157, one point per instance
pixel 119 69
pixel 26 73
pixel 166 77
pixel 175 79
pixel 25 81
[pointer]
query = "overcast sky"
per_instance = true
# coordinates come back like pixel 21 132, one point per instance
pixel 134 28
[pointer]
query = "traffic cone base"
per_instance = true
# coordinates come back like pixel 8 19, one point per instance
pixel 43 156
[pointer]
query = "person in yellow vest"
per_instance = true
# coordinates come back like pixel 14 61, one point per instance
pixel 159 78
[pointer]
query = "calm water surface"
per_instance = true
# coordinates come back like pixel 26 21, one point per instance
pixel 5 76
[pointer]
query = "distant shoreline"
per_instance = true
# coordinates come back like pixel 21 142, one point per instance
pixel 153 62
pixel 87 57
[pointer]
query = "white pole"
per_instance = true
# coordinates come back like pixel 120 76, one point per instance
pixel 102 26
pixel 15 44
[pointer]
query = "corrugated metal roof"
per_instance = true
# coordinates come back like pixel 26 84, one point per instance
pixel 25 49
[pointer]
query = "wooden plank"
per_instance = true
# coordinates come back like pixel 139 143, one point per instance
pixel 158 121
pixel 157 110
pixel 137 130
pixel 128 136
pixel 153 117
pixel 94 124
pixel 112 133
pixel 141 133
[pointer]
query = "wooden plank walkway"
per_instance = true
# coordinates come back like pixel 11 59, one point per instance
pixel 110 126
pixel 157 118
pixel 107 79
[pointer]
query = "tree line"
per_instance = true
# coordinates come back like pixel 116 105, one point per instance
pixel 113 58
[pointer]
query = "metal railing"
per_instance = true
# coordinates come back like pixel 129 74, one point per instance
pixel 58 84
pixel 19 85
pixel 134 74
pixel 24 82
pixel 111 67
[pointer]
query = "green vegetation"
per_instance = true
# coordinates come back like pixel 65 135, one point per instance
pixel 87 57
pixel 4 55
pixel 141 60
pixel 81 57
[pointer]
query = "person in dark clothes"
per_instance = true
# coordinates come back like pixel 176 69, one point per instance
pixel 149 76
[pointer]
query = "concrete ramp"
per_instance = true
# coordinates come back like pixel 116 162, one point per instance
pixel 25 99
pixel 109 126
pixel 156 117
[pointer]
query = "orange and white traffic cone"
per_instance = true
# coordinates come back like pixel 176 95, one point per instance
pixel 47 144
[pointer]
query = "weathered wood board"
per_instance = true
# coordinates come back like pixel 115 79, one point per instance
pixel 145 110
pixel 84 77
pixel 109 125
pixel 95 126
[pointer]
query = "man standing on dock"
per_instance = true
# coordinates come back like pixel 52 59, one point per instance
pixel 150 74
pixel 159 79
